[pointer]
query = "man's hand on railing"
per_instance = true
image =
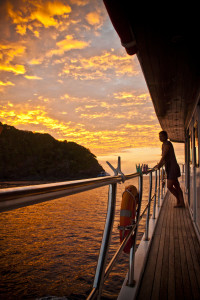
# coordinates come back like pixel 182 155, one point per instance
pixel 156 167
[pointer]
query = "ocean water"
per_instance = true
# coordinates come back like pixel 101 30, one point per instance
pixel 51 249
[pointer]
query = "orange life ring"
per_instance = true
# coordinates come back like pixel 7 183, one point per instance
pixel 127 213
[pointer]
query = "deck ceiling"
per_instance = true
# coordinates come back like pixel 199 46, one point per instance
pixel 168 50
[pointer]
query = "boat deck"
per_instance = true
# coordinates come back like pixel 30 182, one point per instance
pixel 173 266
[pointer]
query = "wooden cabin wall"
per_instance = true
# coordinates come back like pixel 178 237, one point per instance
pixel 193 166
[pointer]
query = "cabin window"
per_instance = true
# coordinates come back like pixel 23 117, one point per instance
pixel 196 146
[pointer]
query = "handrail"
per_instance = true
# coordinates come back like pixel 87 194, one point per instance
pixel 12 198
pixel 149 204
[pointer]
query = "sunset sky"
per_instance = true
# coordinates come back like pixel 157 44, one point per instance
pixel 64 72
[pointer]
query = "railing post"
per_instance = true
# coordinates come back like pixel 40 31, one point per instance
pixel 154 205
pixel 159 188
pixel 183 171
pixel 162 178
pixel 101 265
pixel 133 248
pixel 148 211
pixel 165 183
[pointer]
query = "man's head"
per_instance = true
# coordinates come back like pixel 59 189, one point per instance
pixel 163 136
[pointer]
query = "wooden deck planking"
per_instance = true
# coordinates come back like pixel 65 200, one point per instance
pixel 177 254
pixel 193 263
pixel 173 267
pixel 160 258
pixel 171 274
pixel 183 249
pixel 148 278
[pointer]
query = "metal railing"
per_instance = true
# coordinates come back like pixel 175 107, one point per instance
pixel 12 198
pixel 102 272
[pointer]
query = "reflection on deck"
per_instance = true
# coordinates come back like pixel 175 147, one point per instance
pixel 173 266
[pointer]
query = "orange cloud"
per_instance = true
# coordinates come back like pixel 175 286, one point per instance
pixel 6 83
pixel 101 124
pixel 35 61
pixel 9 53
pixel 25 115
pixel 131 98
pixel 80 2
pixel 100 66
pixel 129 106
pixel 11 50
pixel 95 115
pixel 67 44
pixel 21 29
pixel 41 12
pixel 17 69
pixel 45 12
pixel 3 85
pixel 16 15
pixel 32 77
pixel 93 18
pixel 98 141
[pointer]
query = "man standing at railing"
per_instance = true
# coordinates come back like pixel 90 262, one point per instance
pixel 172 168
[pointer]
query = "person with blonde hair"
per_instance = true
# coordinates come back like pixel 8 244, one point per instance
pixel 172 168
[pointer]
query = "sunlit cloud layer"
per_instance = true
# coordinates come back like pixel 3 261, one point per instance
pixel 67 44
pixel 102 66
pixel 9 53
pixel 36 14
pixel 64 72
pixel 93 18
pixel 32 77
pixel 95 124
pixel 6 83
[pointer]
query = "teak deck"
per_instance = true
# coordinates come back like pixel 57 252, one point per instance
pixel 173 267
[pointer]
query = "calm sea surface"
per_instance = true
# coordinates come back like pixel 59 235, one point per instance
pixel 51 249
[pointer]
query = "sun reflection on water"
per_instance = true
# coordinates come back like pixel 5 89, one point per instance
pixel 52 248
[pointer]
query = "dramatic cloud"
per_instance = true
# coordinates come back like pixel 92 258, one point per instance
pixel 6 83
pixel 99 67
pixel 95 124
pixel 9 52
pixel 94 19
pixel 67 44
pixel 63 71
pixel 32 77
pixel 35 14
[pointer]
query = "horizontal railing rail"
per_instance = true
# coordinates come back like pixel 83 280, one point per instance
pixel 65 188
pixel 12 198
pixel 15 197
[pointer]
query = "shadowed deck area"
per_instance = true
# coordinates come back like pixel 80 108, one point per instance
pixel 173 267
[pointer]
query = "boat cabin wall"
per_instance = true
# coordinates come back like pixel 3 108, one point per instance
pixel 192 178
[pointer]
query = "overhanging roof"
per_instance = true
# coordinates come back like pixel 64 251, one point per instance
pixel 167 46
